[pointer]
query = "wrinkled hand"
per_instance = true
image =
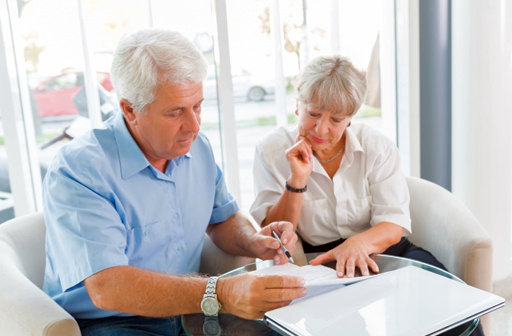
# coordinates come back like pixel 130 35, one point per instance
pixel 250 295
pixel 300 157
pixel 348 255
pixel 265 246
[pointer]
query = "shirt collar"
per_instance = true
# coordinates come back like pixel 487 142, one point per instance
pixel 352 145
pixel 131 158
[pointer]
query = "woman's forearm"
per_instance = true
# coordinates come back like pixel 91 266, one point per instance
pixel 287 208
pixel 380 237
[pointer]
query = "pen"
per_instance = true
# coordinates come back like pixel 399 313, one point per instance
pixel 285 250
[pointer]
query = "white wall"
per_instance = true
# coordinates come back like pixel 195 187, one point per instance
pixel 482 118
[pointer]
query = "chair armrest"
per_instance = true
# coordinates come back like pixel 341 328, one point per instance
pixel 27 310
pixel 445 227
pixel 214 261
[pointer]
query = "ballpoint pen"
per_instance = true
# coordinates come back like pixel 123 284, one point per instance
pixel 285 250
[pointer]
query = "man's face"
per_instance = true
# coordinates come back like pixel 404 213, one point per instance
pixel 170 124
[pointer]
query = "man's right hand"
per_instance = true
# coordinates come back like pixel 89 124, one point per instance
pixel 250 295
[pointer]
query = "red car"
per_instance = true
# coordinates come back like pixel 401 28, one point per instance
pixel 54 96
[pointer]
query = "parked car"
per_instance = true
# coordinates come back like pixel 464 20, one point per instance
pixel 245 85
pixel 54 97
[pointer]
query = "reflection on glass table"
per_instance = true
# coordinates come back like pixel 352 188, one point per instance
pixel 227 324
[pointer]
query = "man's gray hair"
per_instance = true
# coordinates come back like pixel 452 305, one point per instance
pixel 148 57
pixel 332 83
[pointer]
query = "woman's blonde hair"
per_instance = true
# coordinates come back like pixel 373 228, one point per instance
pixel 332 83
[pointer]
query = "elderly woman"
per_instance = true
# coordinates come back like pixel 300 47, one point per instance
pixel 340 185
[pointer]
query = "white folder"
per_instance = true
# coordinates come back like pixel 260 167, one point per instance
pixel 407 301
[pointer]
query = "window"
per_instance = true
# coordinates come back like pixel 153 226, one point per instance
pixel 263 64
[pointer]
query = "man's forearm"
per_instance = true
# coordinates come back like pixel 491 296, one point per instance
pixel 234 235
pixel 132 290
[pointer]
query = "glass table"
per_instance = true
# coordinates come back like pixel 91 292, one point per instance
pixel 198 325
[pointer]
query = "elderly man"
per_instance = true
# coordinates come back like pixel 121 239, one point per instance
pixel 127 206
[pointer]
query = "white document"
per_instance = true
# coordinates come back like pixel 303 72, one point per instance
pixel 319 279
pixel 407 302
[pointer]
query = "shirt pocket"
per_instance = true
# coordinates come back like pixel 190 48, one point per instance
pixel 359 213
pixel 147 242
pixel 315 216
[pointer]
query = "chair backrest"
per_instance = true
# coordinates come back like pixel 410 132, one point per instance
pixel 22 242
pixel 444 226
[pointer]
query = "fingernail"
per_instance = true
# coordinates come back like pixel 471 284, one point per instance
pixel 275 244
pixel 304 291
pixel 340 274
pixel 302 282
pixel 285 240
pixel 277 260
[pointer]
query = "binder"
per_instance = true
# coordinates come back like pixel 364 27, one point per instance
pixel 408 301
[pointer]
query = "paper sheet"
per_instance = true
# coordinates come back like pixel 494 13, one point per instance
pixel 319 279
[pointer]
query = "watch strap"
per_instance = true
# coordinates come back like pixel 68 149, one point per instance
pixel 211 286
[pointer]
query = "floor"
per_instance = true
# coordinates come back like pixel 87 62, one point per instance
pixel 501 319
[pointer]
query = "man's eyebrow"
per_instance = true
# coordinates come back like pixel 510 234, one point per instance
pixel 177 107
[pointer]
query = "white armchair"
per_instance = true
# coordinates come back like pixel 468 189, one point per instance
pixel 24 308
pixel 444 226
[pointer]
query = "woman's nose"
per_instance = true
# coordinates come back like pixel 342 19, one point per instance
pixel 321 127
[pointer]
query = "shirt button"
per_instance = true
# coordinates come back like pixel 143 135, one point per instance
pixel 180 248
pixel 176 215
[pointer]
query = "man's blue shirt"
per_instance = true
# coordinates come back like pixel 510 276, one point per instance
pixel 106 206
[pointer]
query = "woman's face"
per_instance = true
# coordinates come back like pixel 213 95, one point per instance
pixel 323 129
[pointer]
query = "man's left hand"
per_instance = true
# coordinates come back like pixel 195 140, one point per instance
pixel 265 246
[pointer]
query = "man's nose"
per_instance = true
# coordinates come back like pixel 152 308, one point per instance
pixel 192 122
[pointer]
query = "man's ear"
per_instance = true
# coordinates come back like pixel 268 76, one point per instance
pixel 128 111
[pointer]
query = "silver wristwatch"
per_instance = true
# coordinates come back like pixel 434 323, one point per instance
pixel 210 305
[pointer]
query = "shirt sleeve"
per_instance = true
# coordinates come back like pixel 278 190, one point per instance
pixel 84 232
pixel 268 187
pixel 225 204
pixel 390 194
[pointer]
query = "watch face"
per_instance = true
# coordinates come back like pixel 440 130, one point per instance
pixel 211 328
pixel 210 306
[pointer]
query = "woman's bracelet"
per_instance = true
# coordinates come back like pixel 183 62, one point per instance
pixel 295 190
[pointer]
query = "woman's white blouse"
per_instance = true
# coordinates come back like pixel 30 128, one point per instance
pixel 368 188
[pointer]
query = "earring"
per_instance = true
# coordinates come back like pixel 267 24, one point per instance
pixel 349 123
pixel 297 112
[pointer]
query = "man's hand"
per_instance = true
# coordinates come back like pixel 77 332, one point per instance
pixel 265 246
pixel 250 295
pixel 353 252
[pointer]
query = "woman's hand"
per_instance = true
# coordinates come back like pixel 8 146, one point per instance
pixel 353 252
pixel 300 157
